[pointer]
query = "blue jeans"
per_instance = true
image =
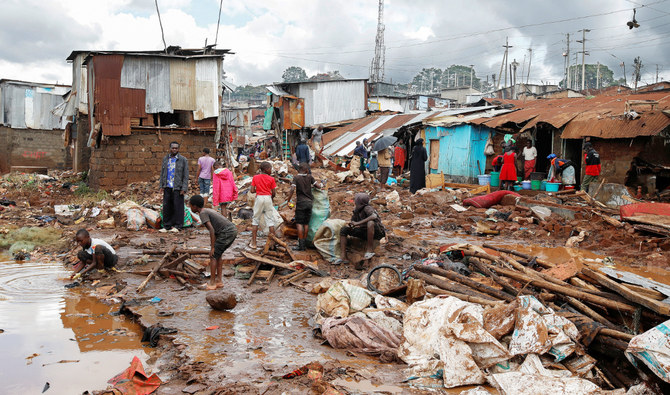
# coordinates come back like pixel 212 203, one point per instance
pixel 205 185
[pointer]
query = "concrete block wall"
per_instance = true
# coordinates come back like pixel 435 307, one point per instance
pixel 121 160
pixel 32 147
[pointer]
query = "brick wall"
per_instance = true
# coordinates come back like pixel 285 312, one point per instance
pixel 32 147
pixel 121 160
pixel 616 155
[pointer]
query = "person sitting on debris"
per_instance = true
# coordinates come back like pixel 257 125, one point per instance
pixel 222 234
pixel 224 191
pixel 205 168
pixel 264 186
pixel 366 224
pixel 302 184
pixel 561 169
pixel 592 160
pixel 302 152
pixel 508 171
pixel 95 253
pixel 174 183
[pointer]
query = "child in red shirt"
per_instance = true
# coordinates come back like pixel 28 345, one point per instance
pixel 263 185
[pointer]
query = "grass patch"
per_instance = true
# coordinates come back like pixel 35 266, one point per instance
pixel 29 238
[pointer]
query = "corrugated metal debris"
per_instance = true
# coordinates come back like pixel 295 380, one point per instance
pixel 30 105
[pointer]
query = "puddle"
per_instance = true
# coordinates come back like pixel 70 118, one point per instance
pixel 40 317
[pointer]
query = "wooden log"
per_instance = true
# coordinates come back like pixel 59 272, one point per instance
pixel 294 280
pixel 648 292
pixel 527 257
pixel 586 310
pixel 288 276
pixel 479 265
pixel 578 294
pixel 616 334
pixel 473 299
pixel 272 274
pixel 176 273
pixel 442 284
pixel 261 259
pixel 269 243
pixel 190 251
pixel 465 281
pixel 608 342
pixel 253 275
pixel 176 262
pixel 282 243
pixel 155 269
pixel 653 305
pixel 578 282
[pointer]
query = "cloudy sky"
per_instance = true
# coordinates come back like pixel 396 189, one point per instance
pixel 268 36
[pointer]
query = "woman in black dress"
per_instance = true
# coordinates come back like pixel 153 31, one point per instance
pixel 417 167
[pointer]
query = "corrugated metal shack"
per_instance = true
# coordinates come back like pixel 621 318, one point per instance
pixel 122 98
pixel 630 131
pixel 30 132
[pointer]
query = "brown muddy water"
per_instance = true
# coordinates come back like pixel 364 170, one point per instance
pixel 63 337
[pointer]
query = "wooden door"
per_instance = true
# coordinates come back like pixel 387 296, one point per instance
pixel 434 154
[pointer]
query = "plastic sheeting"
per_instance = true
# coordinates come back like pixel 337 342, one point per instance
pixel 206 89
pixel 653 348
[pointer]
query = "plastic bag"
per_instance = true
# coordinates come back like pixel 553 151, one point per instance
pixel 653 348
pixel 135 219
pixel 320 211
pixel 489 149
pixel 327 239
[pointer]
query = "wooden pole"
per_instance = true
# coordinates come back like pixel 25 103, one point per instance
pixel 465 281
pixel 473 299
pixel 448 286
pixel 155 270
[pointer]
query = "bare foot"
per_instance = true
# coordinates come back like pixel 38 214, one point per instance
pixel 219 285
pixel 208 287
pixel 253 246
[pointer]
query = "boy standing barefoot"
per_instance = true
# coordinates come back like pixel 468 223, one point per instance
pixel 263 185
pixel 222 234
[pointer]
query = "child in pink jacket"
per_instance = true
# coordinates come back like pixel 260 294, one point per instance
pixel 225 190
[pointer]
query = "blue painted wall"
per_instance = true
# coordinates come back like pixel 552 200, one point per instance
pixel 460 148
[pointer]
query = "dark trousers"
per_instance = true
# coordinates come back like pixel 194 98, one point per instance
pixel 384 174
pixel 173 209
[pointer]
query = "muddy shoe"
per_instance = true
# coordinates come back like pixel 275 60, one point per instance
pixel 338 261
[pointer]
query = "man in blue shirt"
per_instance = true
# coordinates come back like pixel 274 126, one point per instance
pixel 302 152
pixel 174 183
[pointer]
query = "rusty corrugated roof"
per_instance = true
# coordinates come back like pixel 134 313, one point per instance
pixel 352 127
pixel 600 116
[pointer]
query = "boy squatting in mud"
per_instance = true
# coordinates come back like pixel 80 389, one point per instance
pixel 95 253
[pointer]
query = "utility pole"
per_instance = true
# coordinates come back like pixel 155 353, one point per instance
pixel 567 63
pixel 530 59
pixel 514 65
pixel 377 66
pixel 636 73
pixel 503 65
pixel 472 69
pixel 656 82
pixel 583 41
pixel 625 81
pixel 574 80
pixel 598 76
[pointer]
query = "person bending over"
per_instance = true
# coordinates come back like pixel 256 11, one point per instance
pixel 95 253
pixel 222 234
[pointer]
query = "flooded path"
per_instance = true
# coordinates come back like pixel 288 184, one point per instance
pixel 58 336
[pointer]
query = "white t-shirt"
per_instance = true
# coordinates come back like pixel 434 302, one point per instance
pixel 529 153
pixel 99 242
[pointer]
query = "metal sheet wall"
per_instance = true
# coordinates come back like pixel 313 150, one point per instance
pixel 158 86
pixel 134 73
pixel 206 89
pixel 182 84
pixel 332 101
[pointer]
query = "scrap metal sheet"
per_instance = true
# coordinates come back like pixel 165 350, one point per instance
pixel 206 89
pixel 158 86
pixel 182 84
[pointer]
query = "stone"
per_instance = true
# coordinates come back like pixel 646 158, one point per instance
pixel 221 300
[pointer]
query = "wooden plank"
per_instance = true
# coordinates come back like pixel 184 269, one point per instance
pixel 473 299
pixel 282 243
pixel 177 261
pixel 191 251
pixel 654 305
pixel 445 285
pixel 253 275
pixel 156 269
pixel 272 275
pixel 466 281
pixel 261 259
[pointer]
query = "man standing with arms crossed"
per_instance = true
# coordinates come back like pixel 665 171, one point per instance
pixel 174 183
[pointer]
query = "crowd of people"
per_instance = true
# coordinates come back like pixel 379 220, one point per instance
pixel 365 222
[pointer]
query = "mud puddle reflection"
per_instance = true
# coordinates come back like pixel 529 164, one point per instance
pixel 58 336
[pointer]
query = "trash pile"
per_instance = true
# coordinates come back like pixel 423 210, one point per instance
pixel 476 315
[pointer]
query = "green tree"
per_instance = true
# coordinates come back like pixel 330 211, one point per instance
pixel 458 75
pixel 428 80
pixel 591 74
pixel 294 74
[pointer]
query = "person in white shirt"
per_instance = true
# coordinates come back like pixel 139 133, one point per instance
pixel 317 135
pixel 95 253
pixel 529 156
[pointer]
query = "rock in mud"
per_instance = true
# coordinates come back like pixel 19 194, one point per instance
pixel 221 300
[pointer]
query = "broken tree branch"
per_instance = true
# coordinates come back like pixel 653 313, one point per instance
pixel 156 269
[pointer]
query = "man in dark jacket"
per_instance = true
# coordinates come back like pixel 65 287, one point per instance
pixel 174 183
pixel 302 152
pixel 592 160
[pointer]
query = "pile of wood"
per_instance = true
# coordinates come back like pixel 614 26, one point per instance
pixel 177 264
pixel 499 275
pixel 278 256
